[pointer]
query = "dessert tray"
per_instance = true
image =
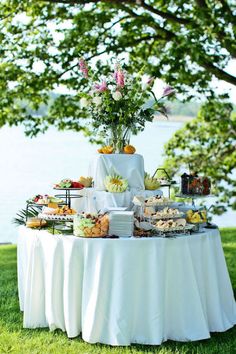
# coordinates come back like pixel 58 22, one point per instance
pixel 156 200
pixel 180 229
pixel 55 217
pixel 166 213
pixel 163 216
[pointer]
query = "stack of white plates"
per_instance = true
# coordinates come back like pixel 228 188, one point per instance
pixel 121 223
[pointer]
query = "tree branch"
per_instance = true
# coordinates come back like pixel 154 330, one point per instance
pixel 166 15
pixel 73 66
pixel 167 34
pixel 219 73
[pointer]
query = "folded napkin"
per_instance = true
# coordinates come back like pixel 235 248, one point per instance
pixel 121 223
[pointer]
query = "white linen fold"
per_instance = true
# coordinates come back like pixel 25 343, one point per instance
pixel 122 291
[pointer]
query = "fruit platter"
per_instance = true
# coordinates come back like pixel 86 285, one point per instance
pixel 63 213
pixel 196 216
pixel 91 225
pixel 45 199
pixel 67 183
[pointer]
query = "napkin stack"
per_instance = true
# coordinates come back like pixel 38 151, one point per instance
pixel 121 223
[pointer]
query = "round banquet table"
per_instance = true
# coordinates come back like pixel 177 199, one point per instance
pixel 127 290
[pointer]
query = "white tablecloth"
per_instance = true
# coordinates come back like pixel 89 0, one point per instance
pixel 94 200
pixel 128 166
pixel 122 291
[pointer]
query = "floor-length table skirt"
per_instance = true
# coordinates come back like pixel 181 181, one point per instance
pixel 122 291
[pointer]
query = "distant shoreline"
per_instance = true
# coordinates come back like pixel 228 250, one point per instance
pixel 173 118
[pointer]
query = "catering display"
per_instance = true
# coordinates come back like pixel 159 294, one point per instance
pixel 81 281
pixel 140 209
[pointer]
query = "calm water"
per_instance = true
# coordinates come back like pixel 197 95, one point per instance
pixel 31 166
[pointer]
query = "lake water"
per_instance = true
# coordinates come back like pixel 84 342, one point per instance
pixel 31 166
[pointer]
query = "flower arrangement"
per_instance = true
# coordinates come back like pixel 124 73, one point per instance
pixel 118 104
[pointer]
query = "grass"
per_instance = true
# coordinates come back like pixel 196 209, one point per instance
pixel 16 340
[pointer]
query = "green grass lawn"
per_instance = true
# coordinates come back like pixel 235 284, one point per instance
pixel 15 339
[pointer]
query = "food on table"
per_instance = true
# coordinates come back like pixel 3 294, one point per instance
pixel 115 184
pixel 44 199
pixel 193 184
pixel 181 222
pixel 76 184
pixel 49 210
pixel 151 183
pixel 138 200
pixel 142 233
pixel 149 211
pixel 164 213
pixel 157 200
pixel 129 149
pixel 142 228
pixel 91 225
pixel 106 150
pixel 68 183
pixel 64 210
pixel 170 224
pixel 195 217
pixel 35 222
pixel 86 181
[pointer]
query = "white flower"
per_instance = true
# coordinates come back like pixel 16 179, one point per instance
pixel 117 95
pixel 84 102
pixel 144 86
pixel 97 100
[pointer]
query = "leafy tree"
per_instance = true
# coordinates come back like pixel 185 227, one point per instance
pixel 207 145
pixel 185 43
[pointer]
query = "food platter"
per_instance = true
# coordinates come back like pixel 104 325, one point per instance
pixel 163 217
pixel 56 217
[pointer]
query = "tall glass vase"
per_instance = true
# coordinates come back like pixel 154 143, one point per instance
pixel 118 137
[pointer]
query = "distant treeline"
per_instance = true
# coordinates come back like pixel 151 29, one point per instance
pixel 175 108
pixel 178 108
pixel 190 109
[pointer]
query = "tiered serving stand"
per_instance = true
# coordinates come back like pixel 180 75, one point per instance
pixel 57 221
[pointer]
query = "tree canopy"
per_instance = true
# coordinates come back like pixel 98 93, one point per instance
pixel 207 145
pixel 186 44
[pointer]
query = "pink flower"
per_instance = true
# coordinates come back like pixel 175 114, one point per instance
pixel 101 87
pixel 120 78
pixel 168 90
pixel 83 67
pixel 150 81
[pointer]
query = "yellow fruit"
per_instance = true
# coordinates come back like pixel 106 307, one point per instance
pixel 86 181
pixel 106 150
pixel 53 205
pixel 129 149
pixel 115 184
pixel 151 183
